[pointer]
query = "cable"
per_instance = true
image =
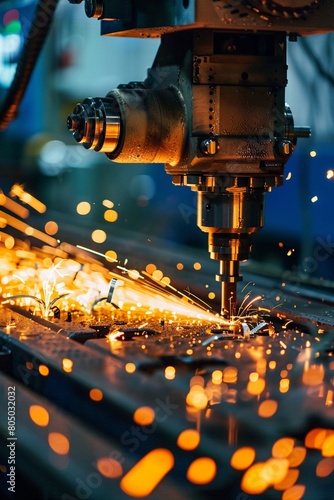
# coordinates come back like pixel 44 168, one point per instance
pixel 32 47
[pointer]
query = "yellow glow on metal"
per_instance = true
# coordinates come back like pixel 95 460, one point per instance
pixel 313 154
pixel 59 443
pixel 188 439
pixel 243 458
pixel 197 266
pixel 96 394
pixel 330 174
pixel 146 474
pixel 314 199
pixel 109 467
pixel 202 470
pixel 144 415
pixel 39 415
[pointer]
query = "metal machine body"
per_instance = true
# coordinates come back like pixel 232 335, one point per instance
pixel 212 108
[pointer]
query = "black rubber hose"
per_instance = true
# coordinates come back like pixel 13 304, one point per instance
pixel 33 44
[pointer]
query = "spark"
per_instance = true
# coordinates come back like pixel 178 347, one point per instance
pixel 90 250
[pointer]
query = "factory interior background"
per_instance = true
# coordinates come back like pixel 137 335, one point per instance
pixel 39 152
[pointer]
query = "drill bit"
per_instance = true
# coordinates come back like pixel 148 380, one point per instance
pixel 229 276
pixel 228 299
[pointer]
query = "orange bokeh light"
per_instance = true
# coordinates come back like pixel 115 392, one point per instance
pixel 243 458
pixel 59 443
pixel 146 474
pixel 144 415
pixel 188 439
pixel 39 415
pixel 202 470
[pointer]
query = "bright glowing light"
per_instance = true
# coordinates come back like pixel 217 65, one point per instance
pixel 107 203
pixel 130 367
pixel 267 408
pixel 294 493
pixel 283 447
pixel 59 443
pixel 110 215
pixel 67 365
pixel 39 415
pixel 188 439
pixel 109 467
pixel 43 370
pixel 170 372
pixel 144 415
pixel 146 474
pixel 83 208
pixel 96 394
pixel 99 236
pixel 243 458
pixel 51 228
pixel 157 275
pixel 202 470
pixel 111 256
